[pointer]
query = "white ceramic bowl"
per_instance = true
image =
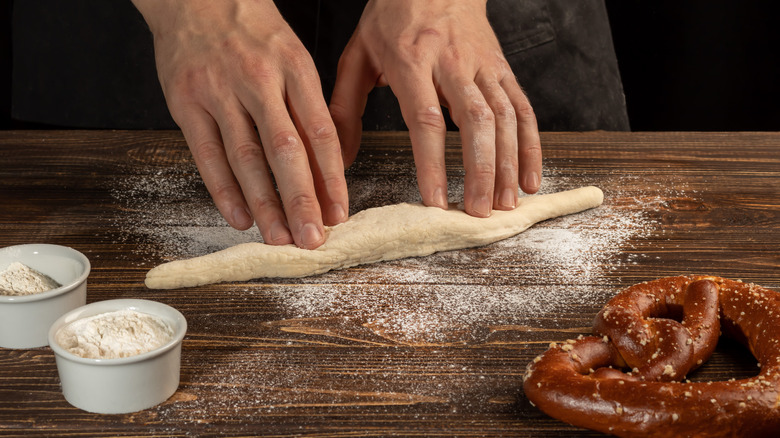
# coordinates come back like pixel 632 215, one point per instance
pixel 123 385
pixel 25 320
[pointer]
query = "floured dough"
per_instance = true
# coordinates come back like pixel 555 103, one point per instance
pixel 377 234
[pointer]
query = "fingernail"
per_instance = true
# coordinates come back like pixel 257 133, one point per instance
pixel 482 206
pixel 532 181
pixel 241 217
pixel 508 198
pixel 280 234
pixel 310 235
pixel 337 214
pixel 440 198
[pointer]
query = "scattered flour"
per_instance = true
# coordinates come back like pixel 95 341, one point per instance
pixel 19 279
pixel 472 298
pixel 113 335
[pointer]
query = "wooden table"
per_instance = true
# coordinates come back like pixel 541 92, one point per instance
pixel 427 347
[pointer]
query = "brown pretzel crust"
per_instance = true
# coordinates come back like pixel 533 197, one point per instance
pixel 573 382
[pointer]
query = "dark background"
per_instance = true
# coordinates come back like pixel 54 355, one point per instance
pixel 698 65
pixel 686 65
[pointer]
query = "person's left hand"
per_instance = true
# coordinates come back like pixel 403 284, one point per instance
pixel 443 52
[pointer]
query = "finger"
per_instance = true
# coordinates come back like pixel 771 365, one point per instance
pixel 202 135
pixel 421 111
pixel 528 141
pixel 471 112
pixel 506 182
pixel 248 162
pixel 286 155
pixel 354 80
pixel 321 139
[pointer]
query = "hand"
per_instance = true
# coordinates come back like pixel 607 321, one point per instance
pixel 443 52
pixel 226 67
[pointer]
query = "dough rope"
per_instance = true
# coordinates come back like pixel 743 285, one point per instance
pixel 581 381
pixel 378 234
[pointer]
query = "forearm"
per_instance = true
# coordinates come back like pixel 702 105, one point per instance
pixel 164 15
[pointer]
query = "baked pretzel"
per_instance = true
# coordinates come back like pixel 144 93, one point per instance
pixel 627 380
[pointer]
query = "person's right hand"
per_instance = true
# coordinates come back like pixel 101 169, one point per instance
pixel 227 67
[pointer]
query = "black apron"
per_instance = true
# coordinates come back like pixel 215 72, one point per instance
pixel 90 63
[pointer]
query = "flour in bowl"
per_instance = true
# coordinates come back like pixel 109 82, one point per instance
pixel 113 335
pixel 19 279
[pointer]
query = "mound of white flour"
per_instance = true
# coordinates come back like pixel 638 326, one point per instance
pixel 19 279
pixel 114 335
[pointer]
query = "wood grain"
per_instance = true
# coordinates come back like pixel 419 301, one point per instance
pixel 251 366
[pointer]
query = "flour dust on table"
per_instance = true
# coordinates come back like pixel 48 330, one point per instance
pixel 509 281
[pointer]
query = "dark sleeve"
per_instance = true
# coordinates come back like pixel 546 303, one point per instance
pixel 562 54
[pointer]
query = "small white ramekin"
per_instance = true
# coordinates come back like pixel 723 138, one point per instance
pixel 123 385
pixel 25 320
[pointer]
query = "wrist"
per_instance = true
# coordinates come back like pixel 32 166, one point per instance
pixel 153 11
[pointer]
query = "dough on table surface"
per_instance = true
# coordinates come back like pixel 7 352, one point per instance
pixel 377 234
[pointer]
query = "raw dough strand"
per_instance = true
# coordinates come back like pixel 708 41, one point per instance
pixel 378 234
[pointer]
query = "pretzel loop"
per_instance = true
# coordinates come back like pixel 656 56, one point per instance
pixel 641 323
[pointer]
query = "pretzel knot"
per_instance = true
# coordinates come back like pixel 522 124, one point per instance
pixel 627 380
pixel 642 324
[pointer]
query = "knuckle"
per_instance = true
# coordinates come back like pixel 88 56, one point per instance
pixel 409 60
pixel 525 113
pixel 483 172
pixel 300 201
pixel 256 68
pixel 247 152
pixel 284 143
pixel 533 150
pixel 207 152
pixel 299 59
pixel 259 72
pixel 478 112
pixel 223 190
pixel 409 50
pixel 186 84
pixel 322 132
pixel 332 179
pixel 195 75
pixel 430 32
pixel 502 67
pixel 508 165
pixel 247 61
pixel 264 203
pixel 430 118
pixel 451 58
pixel 454 52
pixel 504 111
